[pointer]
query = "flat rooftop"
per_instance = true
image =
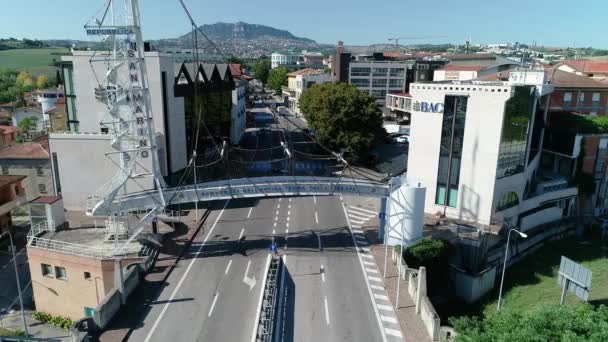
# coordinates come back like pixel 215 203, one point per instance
pixel 92 242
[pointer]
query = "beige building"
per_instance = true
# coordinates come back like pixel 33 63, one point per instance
pixel 30 159
pixel 72 270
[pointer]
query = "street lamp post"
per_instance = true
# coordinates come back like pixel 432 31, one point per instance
pixel 10 237
pixel 504 265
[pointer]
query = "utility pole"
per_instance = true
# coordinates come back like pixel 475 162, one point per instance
pixel 10 237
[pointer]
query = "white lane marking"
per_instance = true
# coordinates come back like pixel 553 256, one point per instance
pixel 249 213
pixel 367 278
pixel 261 298
pixel 316 218
pixel 183 278
pixel 357 216
pixel 393 332
pixel 376 287
pixel 322 273
pixel 358 231
pixel 356 228
pixel 367 211
pixel 369 263
pixel 288 212
pixel 341 199
pixel 277 214
pixel 371 270
pixel 367 256
pixel 287 224
pixel 289 206
pixel 247 270
pixel 213 304
pixel 228 267
pixel 380 296
pixel 280 199
pixel 326 310
pixel 290 199
pixel 358 221
pixel 388 319
pixel 274 232
pixel 385 307
pixel 275 224
pixel 372 278
pixel 276 218
pixel 278 206
pixel 288 219
pixel 314 198
pixel 365 249
pixel 242 232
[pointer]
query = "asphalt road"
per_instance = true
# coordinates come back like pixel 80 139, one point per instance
pixel 213 294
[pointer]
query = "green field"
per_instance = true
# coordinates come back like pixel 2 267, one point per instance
pixel 35 61
pixel 532 282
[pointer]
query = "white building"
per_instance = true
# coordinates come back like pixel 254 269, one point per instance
pixel 238 116
pixel 299 81
pixel 484 139
pixel 284 58
pixel 378 78
pixel 80 161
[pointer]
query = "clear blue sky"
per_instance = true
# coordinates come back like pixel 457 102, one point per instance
pixel 555 22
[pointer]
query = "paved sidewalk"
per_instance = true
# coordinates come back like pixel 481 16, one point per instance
pixel 411 324
pixel 35 328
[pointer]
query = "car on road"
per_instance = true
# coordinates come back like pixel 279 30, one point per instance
pixel 403 139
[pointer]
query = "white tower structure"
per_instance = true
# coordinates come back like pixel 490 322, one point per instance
pixel 123 88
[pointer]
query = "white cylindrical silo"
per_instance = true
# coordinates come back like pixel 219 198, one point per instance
pixel 406 211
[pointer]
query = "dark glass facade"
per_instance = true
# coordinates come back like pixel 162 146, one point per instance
pixel 515 131
pixel 450 153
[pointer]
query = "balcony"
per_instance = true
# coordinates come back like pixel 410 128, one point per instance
pixel 287 91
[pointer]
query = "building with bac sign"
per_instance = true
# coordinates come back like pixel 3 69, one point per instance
pixel 477 147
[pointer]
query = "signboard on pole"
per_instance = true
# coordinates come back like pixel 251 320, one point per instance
pixel 574 278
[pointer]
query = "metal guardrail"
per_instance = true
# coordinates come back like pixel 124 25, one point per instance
pixel 266 321
pixel 81 250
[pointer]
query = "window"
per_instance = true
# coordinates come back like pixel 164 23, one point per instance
pixel 380 94
pixel 507 201
pixel 380 71
pixel 422 66
pixel 104 130
pixel 595 102
pixel 396 83
pixel 4 169
pixel 39 171
pixel 567 100
pixel 379 82
pixel 397 72
pixel 360 82
pixel 515 131
pixel 450 150
pixel 42 188
pixel 357 71
pixel 87 275
pixel 60 273
pixel 47 270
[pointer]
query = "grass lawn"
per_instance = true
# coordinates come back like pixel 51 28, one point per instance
pixel 533 281
pixel 35 61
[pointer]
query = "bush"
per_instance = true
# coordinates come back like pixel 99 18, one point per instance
pixel 56 321
pixel 426 252
pixel 548 323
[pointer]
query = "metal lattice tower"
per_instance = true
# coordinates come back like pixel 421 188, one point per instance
pixel 123 88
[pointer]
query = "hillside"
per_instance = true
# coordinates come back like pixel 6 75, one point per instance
pixel 241 30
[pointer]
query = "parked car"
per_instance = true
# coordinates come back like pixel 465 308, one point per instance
pixel 403 139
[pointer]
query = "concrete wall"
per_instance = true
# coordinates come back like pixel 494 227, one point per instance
pixel 483 125
pixel 472 287
pixel 107 309
pixel 83 167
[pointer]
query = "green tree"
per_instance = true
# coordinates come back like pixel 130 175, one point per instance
pixel 277 79
pixel 262 71
pixel 570 323
pixel 42 82
pixel 26 126
pixel 343 117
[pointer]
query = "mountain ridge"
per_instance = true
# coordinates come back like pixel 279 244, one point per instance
pixel 247 31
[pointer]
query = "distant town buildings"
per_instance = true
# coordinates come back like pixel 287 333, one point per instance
pixel 297 60
pixel 12 195
pixel 299 81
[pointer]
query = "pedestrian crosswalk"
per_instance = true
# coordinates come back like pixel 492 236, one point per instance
pixel 357 218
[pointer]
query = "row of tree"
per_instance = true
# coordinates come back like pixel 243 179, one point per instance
pixel 13 84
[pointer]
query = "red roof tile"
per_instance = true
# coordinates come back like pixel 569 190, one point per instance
pixel 28 150
pixel 587 66
pixel 9 179
pixel 304 72
pixel 46 199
